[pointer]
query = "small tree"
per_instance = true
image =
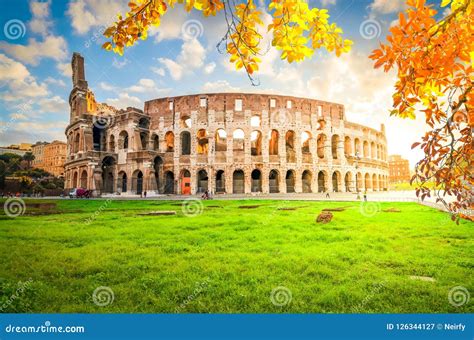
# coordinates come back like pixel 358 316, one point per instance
pixel 28 157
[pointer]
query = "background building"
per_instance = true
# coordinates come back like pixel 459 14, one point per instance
pixel 18 149
pixel 38 151
pixel 222 142
pixel 54 157
pixel 399 169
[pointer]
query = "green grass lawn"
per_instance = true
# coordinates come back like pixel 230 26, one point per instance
pixel 229 260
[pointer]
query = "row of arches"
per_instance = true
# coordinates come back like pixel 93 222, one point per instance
pixel 306 140
pixel 289 181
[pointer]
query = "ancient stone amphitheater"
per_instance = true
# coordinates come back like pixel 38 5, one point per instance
pixel 224 142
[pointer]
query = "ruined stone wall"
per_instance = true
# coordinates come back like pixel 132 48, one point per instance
pixel 227 143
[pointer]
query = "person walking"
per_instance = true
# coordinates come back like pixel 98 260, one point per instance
pixel 365 195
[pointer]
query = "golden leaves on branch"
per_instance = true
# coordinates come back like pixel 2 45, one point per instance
pixel 434 65
pixel 297 29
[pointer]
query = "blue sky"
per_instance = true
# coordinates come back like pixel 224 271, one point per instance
pixel 38 39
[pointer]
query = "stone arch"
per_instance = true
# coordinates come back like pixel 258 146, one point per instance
pixel 290 181
pixel 357 148
pixel 322 181
pixel 202 181
pixel 367 183
pixel 347 146
pixel 238 137
pixel 112 143
pixel 123 140
pixel 373 152
pixel 255 121
pixel 305 142
pixel 77 139
pixel 185 182
pixel 238 182
pixel 220 181
pixel 137 182
pixel 169 141
pixel 336 181
pixel 144 139
pixel 98 138
pixel 122 182
pixel 306 181
pixel 108 165
pixel 290 146
pixel 358 181
pixel 256 177
pixel 365 149
pixel 334 145
pixel 221 140
pixel 75 179
pixel 144 123
pixel 274 181
pixel 202 142
pixel 256 143
pixel 155 140
pixel 169 182
pixel 273 142
pixel 185 143
pixel 84 179
pixel 348 181
pixel 321 144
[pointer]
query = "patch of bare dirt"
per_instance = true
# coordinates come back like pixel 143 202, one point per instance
pixel 324 217
pixel 392 210
pixel 248 206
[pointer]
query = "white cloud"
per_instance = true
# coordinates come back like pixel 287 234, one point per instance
pixel 219 86
pixel 144 85
pixel 119 63
pixel 51 47
pixel 326 3
pixel 158 70
pixel 107 87
pixel 191 57
pixel 209 68
pixel 124 100
pixel 18 81
pixel 65 69
pixel 54 81
pixel 40 23
pixel 171 25
pixel 54 104
pixel 87 14
pixel 387 6
pixel 175 70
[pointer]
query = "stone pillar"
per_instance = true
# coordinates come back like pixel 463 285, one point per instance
pixel 265 180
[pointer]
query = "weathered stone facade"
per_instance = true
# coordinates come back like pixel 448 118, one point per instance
pixel 224 143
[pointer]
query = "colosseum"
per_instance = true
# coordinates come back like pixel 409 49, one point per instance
pixel 226 143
